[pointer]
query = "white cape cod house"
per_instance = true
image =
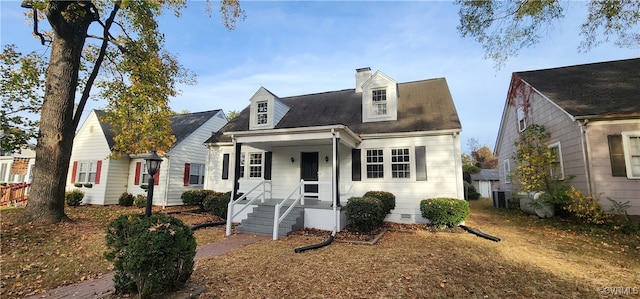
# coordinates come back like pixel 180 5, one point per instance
pixel 182 167
pixel 327 147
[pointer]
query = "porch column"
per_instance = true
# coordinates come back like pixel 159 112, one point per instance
pixel 336 170
pixel 236 169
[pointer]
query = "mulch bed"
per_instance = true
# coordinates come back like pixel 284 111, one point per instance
pixel 348 235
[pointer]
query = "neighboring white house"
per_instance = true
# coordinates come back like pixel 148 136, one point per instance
pixel 592 112
pixel 381 135
pixel 182 167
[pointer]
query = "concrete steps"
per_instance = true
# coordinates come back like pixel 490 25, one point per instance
pixel 260 221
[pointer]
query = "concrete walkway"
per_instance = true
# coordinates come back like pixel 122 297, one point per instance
pixel 103 286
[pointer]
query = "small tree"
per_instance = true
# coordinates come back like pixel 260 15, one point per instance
pixel 534 160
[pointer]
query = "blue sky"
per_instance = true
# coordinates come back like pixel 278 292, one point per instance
pixel 294 48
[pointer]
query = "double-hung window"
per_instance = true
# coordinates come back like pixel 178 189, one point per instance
pixel 506 171
pixel 87 172
pixel 522 119
pixel 557 171
pixel 261 113
pixel 379 100
pixel 242 158
pixel 375 163
pixel 255 165
pixel 631 143
pixel 196 174
pixel 400 163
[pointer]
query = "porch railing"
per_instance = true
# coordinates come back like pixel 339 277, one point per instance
pixel 277 218
pixel 232 203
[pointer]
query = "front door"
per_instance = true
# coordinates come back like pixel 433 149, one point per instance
pixel 309 171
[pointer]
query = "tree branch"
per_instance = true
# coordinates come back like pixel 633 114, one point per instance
pixel 96 67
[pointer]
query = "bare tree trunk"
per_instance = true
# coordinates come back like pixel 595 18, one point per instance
pixel 70 22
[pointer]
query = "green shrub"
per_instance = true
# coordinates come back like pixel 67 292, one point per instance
pixel 472 193
pixel 150 254
pixel 126 199
pixel 445 211
pixel 73 198
pixel 140 201
pixel 195 197
pixel 364 214
pixel 388 200
pixel 217 203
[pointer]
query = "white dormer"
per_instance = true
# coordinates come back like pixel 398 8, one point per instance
pixel 266 110
pixel 379 98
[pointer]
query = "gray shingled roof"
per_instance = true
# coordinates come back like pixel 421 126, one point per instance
pixel 422 106
pixel 486 175
pixel 182 125
pixel 604 89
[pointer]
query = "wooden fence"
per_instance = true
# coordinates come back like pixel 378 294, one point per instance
pixel 14 194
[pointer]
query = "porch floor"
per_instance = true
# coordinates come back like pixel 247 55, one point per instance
pixel 311 203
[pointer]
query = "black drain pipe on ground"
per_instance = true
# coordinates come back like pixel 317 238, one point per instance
pixel 315 246
pixel 480 233
pixel 207 224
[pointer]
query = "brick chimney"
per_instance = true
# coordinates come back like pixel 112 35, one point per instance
pixel 362 75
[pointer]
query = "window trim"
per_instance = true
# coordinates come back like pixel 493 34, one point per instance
pixel 407 163
pixel 506 168
pixel 522 119
pixel 626 143
pixel 558 161
pixel 260 165
pixel 264 113
pixel 199 175
pixel 378 163
pixel 88 172
pixel 376 104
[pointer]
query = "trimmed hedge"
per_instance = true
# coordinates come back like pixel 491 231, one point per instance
pixel 73 198
pixel 126 199
pixel 195 197
pixel 387 198
pixel 150 254
pixel 217 203
pixel 364 214
pixel 445 211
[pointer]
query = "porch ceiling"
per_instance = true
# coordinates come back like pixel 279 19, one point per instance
pixel 267 139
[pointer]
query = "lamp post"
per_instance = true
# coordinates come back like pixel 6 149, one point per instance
pixel 152 163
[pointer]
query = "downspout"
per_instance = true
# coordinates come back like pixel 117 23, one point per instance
pixel 585 153
pixel 458 167
pixel 168 181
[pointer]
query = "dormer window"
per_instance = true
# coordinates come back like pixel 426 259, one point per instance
pixel 379 100
pixel 261 114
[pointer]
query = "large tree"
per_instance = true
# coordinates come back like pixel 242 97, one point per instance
pixel 128 64
pixel 505 27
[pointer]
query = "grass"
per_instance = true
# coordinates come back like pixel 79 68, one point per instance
pixel 536 258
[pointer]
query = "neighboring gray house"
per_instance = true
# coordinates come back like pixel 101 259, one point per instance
pixel 182 168
pixel 485 181
pixel 593 114
pixel 381 135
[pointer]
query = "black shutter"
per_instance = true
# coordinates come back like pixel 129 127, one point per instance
pixel 616 154
pixel 421 163
pixel 355 165
pixel 225 166
pixel 267 165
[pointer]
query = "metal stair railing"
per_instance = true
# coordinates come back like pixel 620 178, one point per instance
pixel 232 203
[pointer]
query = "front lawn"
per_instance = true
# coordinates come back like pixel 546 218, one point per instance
pixel 536 258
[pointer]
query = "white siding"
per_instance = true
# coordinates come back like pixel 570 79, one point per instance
pixel 443 166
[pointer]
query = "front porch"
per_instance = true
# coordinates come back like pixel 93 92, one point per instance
pixel 259 213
